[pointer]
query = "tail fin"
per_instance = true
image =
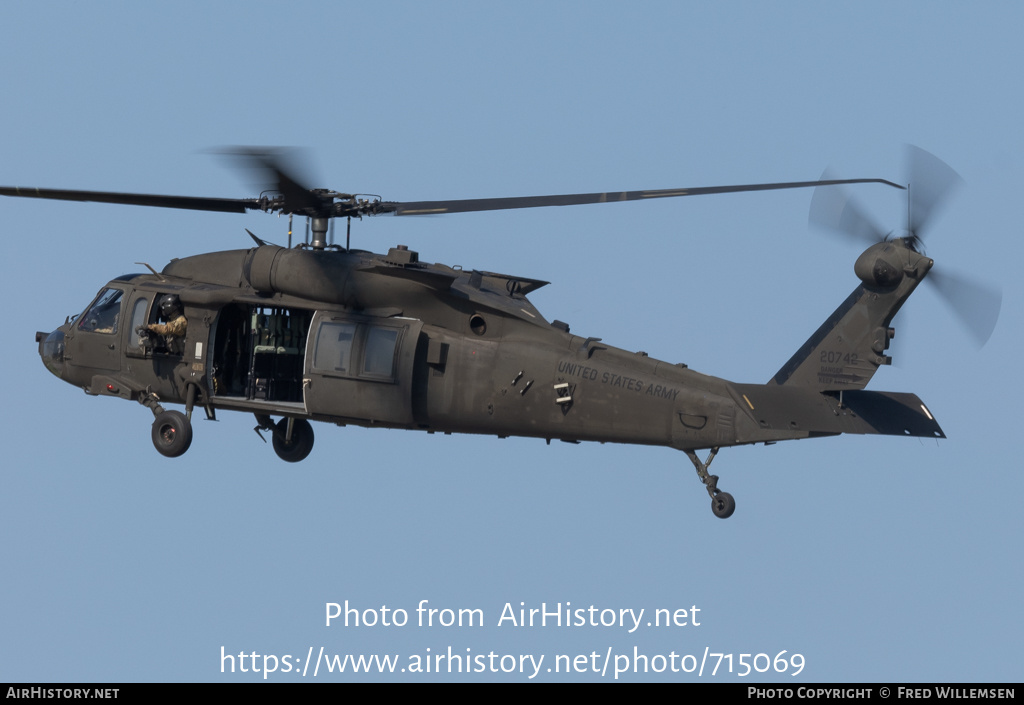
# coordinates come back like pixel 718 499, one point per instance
pixel 849 347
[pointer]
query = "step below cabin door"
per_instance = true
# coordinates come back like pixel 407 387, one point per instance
pixel 361 368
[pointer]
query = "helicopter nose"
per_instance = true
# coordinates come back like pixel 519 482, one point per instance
pixel 51 349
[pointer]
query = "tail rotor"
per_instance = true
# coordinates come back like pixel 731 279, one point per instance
pixel 931 182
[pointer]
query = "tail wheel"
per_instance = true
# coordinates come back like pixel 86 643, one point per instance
pixel 172 433
pixel 301 443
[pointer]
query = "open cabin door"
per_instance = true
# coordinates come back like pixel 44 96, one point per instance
pixel 361 368
pixel 259 353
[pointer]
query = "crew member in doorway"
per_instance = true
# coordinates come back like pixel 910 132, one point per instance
pixel 175 324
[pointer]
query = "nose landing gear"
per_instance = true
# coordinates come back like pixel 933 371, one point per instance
pixel 172 430
pixel 722 503
pixel 172 433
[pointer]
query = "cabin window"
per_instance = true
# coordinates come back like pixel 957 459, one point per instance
pixel 139 313
pixel 356 349
pixel 380 352
pixel 334 346
pixel 136 345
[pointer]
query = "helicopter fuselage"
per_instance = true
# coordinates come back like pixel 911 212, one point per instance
pixel 259 340
pixel 321 333
pixel 303 334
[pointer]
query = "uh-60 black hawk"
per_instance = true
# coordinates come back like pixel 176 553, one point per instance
pixel 320 332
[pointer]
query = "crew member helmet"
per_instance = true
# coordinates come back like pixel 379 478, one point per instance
pixel 170 307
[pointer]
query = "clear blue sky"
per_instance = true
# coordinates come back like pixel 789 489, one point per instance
pixel 877 559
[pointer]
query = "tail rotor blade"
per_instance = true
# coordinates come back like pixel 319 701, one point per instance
pixel 976 305
pixel 932 181
pixel 833 209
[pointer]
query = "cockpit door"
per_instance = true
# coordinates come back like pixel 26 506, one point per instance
pixel 93 339
pixel 361 368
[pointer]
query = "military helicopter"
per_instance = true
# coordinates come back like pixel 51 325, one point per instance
pixel 321 332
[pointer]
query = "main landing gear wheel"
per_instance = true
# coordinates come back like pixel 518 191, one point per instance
pixel 172 433
pixel 723 505
pixel 301 440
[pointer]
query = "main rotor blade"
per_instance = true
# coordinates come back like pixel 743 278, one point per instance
pixel 931 182
pixel 279 170
pixel 577 199
pixel 833 209
pixel 976 305
pixel 223 205
pixel 296 198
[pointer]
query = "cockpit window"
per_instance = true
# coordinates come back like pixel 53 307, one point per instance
pixel 101 317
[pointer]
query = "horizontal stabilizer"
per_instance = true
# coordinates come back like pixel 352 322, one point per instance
pixel 783 412
pixel 892 414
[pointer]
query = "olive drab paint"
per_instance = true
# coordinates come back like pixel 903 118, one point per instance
pixel 319 332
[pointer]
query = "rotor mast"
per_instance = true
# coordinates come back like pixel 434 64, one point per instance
pixel 319 226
